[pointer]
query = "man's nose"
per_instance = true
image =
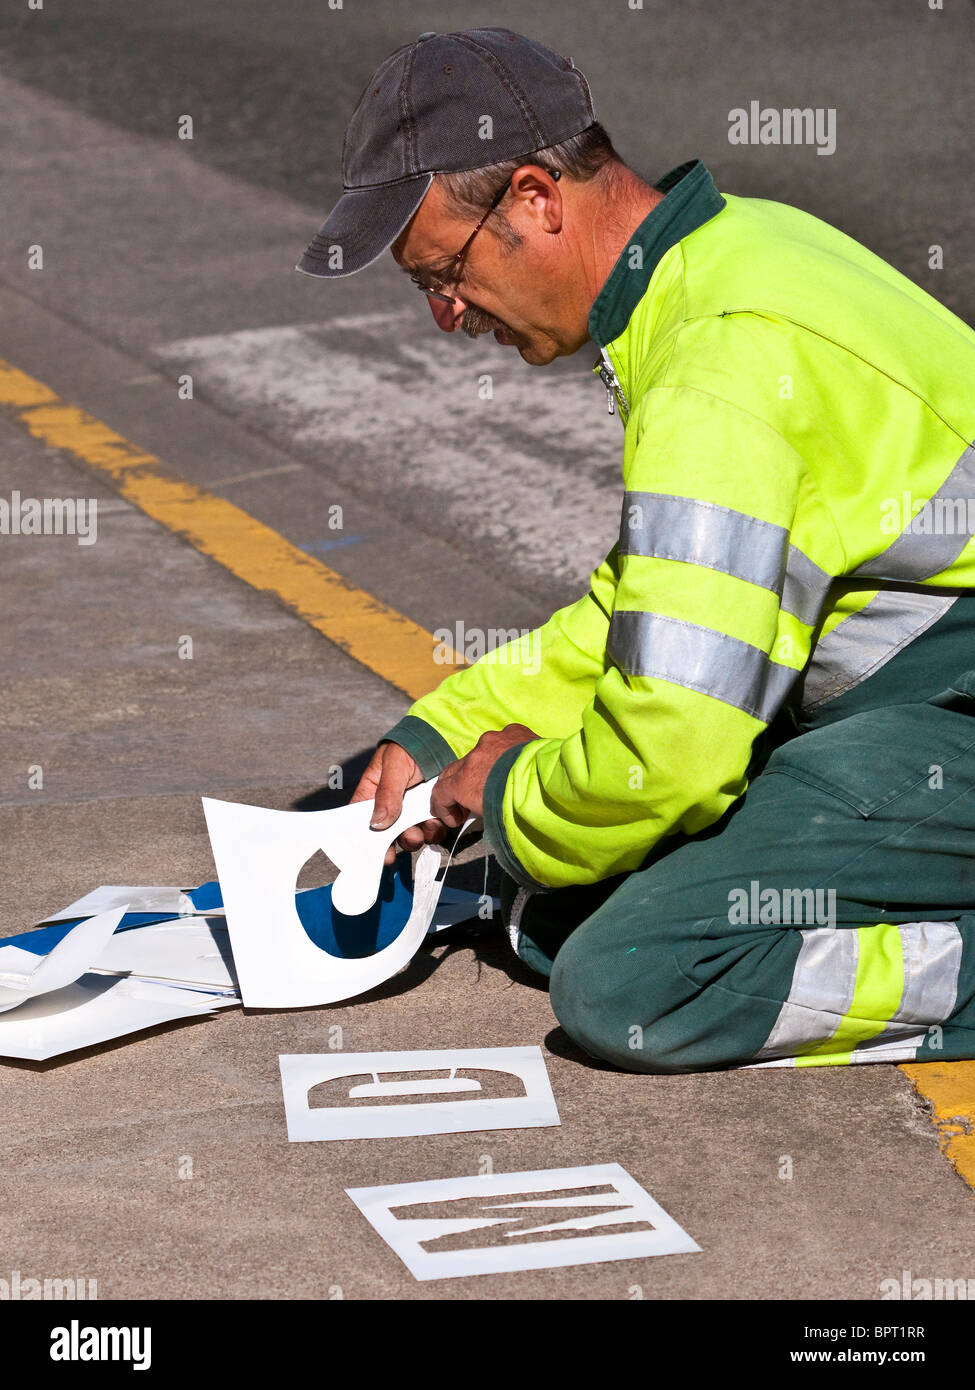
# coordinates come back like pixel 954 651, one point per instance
pixel 448 316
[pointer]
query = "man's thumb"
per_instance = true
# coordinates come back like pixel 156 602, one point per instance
pixel 388 804
pixel 393 781
pixel 383 816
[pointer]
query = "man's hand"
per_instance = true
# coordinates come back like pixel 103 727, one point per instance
pixel 389 773
pixel 459 792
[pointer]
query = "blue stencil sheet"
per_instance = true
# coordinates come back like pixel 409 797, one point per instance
pixel 350 937
pixel 355 937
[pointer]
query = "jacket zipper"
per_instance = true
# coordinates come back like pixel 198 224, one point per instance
pixel 611 381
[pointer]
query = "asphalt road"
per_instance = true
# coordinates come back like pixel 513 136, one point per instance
pixel 195 273
pixel 164 257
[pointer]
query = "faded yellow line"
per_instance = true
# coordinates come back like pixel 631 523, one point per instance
pixel 378 637
pixel 949 1087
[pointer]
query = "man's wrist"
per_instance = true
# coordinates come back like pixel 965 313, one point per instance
pixel 429 749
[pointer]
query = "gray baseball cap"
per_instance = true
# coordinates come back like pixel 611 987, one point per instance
pixel 446 103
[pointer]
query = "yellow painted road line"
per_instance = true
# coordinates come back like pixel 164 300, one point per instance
pixel 378 637
pixel 949 1087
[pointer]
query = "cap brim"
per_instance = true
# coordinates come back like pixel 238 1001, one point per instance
pixel 361 226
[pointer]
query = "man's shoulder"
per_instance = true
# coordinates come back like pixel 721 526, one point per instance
pixel 758 251
pixel 762 268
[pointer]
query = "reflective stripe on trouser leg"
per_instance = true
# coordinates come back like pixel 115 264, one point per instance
pixel 538 924
pixel 514 918
pixel 868 994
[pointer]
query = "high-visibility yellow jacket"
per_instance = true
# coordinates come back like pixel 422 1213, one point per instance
pixel 799 480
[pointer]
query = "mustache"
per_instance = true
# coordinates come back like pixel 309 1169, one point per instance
pixel 476 321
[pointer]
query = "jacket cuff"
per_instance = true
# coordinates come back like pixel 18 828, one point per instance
pixel 429 750
pixel 493 816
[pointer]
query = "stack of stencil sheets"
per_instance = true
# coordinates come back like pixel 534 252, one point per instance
pixel 117 961
pixel 125 958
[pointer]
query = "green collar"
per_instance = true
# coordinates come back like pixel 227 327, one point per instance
pixel 691 200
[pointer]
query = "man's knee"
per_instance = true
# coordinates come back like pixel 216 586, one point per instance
pixel 633 1027
pixel 675 995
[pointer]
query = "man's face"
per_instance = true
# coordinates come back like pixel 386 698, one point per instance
pixel 524 295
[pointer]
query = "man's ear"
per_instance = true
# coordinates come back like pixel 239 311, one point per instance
pixel 539 196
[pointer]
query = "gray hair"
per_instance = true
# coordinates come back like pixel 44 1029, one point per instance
pixel 581 157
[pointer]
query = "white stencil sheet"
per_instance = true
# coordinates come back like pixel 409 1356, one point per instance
pixel 553 1203
pixel 529 1103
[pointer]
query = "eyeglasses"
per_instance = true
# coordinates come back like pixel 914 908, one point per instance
pixel 455 268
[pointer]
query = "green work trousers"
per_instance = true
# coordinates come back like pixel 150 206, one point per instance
pixel 828 918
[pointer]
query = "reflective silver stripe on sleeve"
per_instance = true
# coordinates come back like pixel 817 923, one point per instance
pixel 867 640
pixel 658 526
pixel 932 960
pixel 915 555
pixel 698 658
pixel 820 995
pixel 805 587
